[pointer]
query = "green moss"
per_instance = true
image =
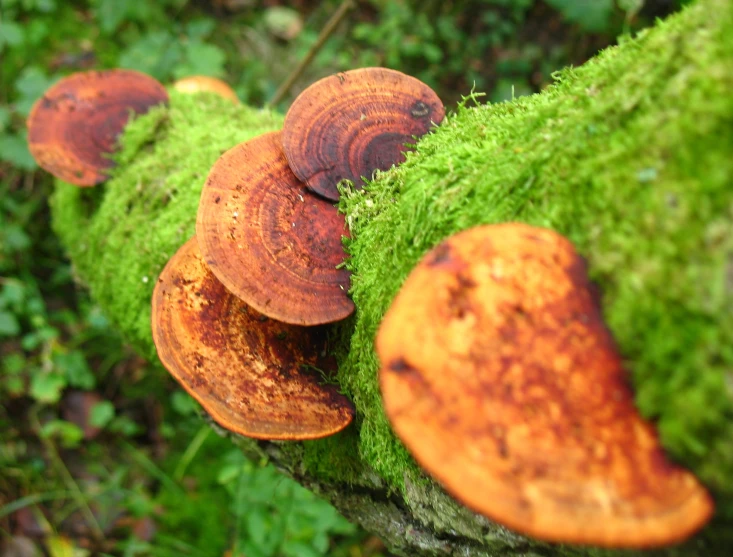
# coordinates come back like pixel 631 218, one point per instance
pixel 121 234
pixel 630 157
pixel 335 458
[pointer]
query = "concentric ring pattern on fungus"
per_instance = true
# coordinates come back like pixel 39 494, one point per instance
pixel 74 127
pixel 348 125
pixel 254 375
pixel 273 243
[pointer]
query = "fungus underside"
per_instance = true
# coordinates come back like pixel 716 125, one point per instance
pixel 628 156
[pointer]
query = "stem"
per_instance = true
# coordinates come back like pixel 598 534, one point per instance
pixel 34 499
pixel 190 452
pixel 150 467
pixel 326 32
pixel 71 485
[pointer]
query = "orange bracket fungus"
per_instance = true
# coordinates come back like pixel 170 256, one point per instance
pixel 269 240
pixel 348 125
pixel 199 83
pixel 500 376
pixel 73 128
pixel 250 373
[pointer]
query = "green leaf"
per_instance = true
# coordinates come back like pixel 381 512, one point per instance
pixel 13 238
pixel 74 367
pixel 228 473
pixel 283 22
pixel 299 549
pixel 70 435
pixel 183 403
pixel 13 294
pixel 4 117
pixel 9 326
pixel 201 59
pixel 14 149
pixel 11 34
pixel 125 426
pixel 14 386
pixel 37 32
pixel 320 542
pixel 631 7
pixel 154 54
pixel 13 364
pixel 101 414
pixel 110 13
pixel 47 387
pixel 30 341
pixel 594 16
pixel 200 28
pixel 44 6
pixel 30 85
pixel 257 526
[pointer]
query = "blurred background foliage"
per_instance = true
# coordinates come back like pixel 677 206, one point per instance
pixel 100 453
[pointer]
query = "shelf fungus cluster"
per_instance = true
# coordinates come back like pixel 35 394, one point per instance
pixel 73 128
pixel 513 396
pixel 516 400
pixel 254 375
pixel 239 312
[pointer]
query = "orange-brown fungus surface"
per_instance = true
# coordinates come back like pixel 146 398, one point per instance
pixel 251 373
pixel 73 128
pixel 353 123
pixel 269 240
pixel 500 377
pixel 203 83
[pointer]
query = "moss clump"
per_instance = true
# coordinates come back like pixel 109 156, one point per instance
pixel 628 156
pixel 121 234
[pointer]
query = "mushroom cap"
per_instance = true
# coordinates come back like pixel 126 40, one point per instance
pixel 199 83
pixel 249 372
pixel 269 240
pixel 350 124
pixel 502 380
pixel 73 128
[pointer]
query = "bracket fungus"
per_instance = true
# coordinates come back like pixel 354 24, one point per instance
pixel 73 128
pixel 515 398
pixel 270 241
pixel 204 83
pixel 350 124
pixel 247 371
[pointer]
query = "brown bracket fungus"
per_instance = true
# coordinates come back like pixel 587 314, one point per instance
pixel 348 125
pixel 269 240
pixel 199 83
pixel 73 128
pixel 250 373
pixel 499 375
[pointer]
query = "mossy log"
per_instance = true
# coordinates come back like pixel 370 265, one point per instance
pixel 629 156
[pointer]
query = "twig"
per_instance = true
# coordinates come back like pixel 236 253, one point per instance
pixel 326 32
